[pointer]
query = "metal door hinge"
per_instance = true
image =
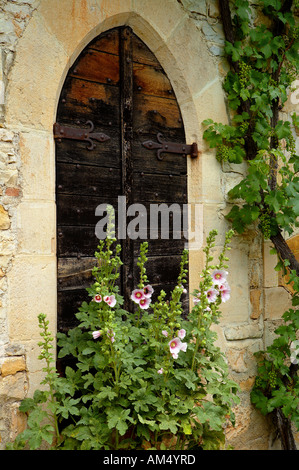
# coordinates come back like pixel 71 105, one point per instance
pixel 171 147
pixel 74 133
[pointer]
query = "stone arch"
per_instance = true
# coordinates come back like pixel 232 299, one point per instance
pixel 44 54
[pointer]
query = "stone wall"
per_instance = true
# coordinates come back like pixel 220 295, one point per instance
pixel 36 50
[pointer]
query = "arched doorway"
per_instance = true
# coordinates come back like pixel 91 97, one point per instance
pixel 116 110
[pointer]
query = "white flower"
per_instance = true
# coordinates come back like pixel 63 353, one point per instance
pixel 160 371
pixel 144 303
pixel 225 293
pixel 137 295
pixel 97 298
pixel 164 333
pixel 148 291
pixel 211 295
pixel 294 347
pixel 219 276
pixel 96 334
pixel 110 300
pixel 175 346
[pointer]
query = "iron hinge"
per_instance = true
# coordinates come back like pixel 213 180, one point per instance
pixel 171 147
pixel 74 133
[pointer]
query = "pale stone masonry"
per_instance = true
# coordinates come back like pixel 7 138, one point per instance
pixel 39 40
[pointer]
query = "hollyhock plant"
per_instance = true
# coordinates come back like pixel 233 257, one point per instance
pixel 97 298
pixel 116 378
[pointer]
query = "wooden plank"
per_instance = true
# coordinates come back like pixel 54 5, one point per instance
pixel 142 54
pixel 126 119
pixel 80 210
pixel 75 273
pixel 87 180
pixel 151 81
pixel 145 160
pixel 75 241
pixel 107 42
pixel 98 67
pixel 153 114
pixel 157 188
pixel 82 101
pixel 68 303
pixel 105 154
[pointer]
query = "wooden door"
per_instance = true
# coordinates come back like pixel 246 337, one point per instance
pixel 117 92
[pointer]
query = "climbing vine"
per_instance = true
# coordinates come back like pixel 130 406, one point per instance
pixel 263 59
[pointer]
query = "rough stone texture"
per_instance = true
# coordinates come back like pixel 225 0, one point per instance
pixel 36 50
pixel 4 219
pixel 12 365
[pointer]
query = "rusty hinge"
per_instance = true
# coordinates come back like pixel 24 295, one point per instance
pixel 74 133
pixel 171 147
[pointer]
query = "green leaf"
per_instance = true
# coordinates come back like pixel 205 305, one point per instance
pixel 260 401
pixel 283 129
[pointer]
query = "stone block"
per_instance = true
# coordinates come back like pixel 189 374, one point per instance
pixel 18 421
pixel 37 152
pixel 13 386
pixel 243 331
pixel 157 15
pixel 32 289
pixel 255 301
pixel 277 301
pixel 236 309
pixel 12 365
pixel 255 273
pixel 36 227
pixel 85 19
pixel 4 219
pixel 191 77
pixel 35 78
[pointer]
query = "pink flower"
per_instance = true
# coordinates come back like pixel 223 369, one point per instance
pixel 137 295
pixel 225 293
pixel 196 300
pixel 182 333
pixel 110 300
pixel 160 371
pixel 164 333
pixel 175 346
pixel 96 334
pixel 184 347
pixel 148 291
pixel 219 276
pixel 211 295
pixel 97 298
pixel 144 303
